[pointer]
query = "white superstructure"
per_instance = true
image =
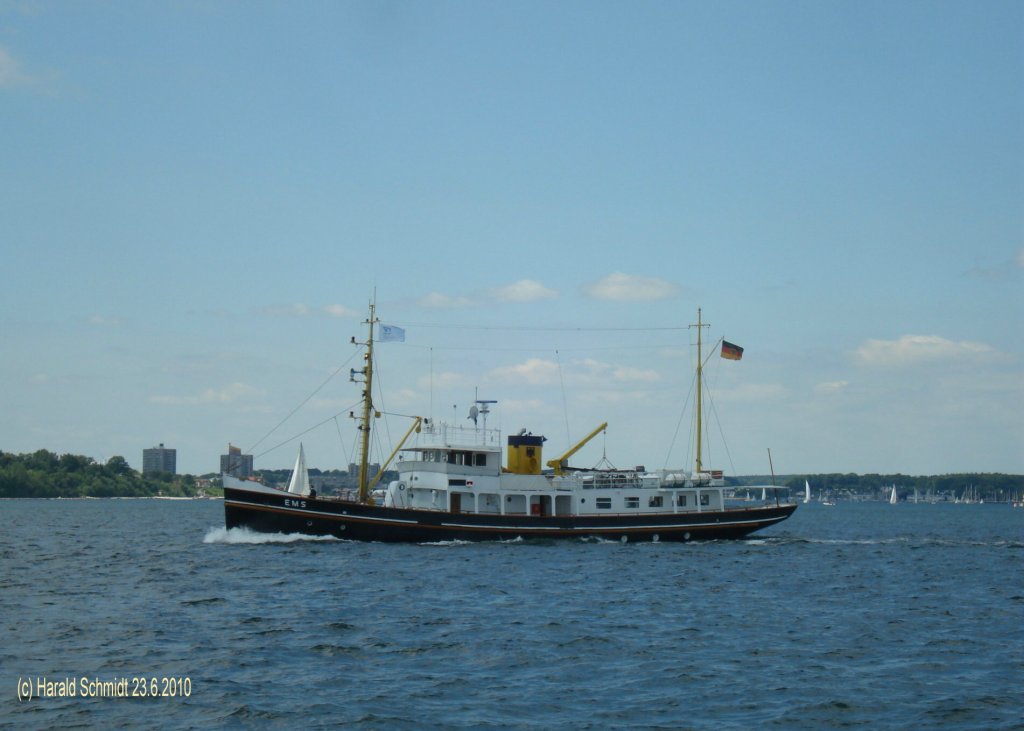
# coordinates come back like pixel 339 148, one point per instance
pixel 459 469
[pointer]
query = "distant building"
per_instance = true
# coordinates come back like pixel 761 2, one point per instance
pixel 159 459
pixel 353 472
pixel 235 463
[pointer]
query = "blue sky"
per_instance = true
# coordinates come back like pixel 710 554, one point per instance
pixel 199 199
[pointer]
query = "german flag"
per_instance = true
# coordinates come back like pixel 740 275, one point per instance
pixel 730 351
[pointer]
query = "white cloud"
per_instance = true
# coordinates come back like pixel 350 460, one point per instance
pixel 754 392
pixel 438 301
pixel 609 398
pixel 595 370
pixel 830 387
pixel 296 310
pixel 340 311
pixel 636 374
pixel 525 290
pixel 534 372
pixel 11 73
pixel 530 407
pixel 445 380
pixel 233 392
pixel 916 349
pixel 587 372
pixel 14 76
pixel 301 309
pixel 630 287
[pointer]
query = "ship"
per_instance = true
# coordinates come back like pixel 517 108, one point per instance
pixel 465 483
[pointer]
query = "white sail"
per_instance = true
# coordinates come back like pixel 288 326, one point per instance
pixel 807 491
pixel 299 484
pixel 892 497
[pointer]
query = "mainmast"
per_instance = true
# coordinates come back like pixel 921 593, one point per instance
pixel 368 413
pixel 700 380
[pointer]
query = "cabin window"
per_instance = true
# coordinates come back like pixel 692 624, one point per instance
pixel 705 499
pixel 654 501
pixel 481 460
pixel 604 503
pixel 632 502
pixel 681 500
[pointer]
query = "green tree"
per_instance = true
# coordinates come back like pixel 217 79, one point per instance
pixel 118 465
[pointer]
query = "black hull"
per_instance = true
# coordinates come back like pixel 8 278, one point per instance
pixel 273 513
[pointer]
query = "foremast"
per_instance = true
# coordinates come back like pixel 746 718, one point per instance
pixel 368 411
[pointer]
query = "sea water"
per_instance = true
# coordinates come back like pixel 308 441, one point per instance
pixel 148 613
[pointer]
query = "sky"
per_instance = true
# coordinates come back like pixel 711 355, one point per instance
pixel 199 200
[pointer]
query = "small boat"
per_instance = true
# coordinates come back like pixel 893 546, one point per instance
pixel 892 496
pixel 452 486
pixel 807 492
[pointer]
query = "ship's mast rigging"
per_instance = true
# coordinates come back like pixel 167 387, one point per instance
pixel 700 398
pixel 368 412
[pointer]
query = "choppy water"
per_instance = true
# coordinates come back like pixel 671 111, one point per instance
pixel 856 616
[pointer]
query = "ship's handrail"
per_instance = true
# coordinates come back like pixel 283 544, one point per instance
pixel 442 435
pixel 638 480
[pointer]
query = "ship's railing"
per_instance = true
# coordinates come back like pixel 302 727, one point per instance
pixel 441 434
pixel 637 480
pixel 609 480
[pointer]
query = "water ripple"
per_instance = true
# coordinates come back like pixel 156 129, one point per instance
pixel 847 617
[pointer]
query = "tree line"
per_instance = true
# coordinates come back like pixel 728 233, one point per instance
pixel 48 475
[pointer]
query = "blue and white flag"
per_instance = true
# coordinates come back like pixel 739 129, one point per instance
pixel 390 334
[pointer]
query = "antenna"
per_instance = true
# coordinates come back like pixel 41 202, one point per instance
pixel 485 410
pixel 481 407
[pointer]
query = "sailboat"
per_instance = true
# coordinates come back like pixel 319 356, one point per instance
pixel 452 485
pixel 892 495
pixel 299 482
pixel 807 492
